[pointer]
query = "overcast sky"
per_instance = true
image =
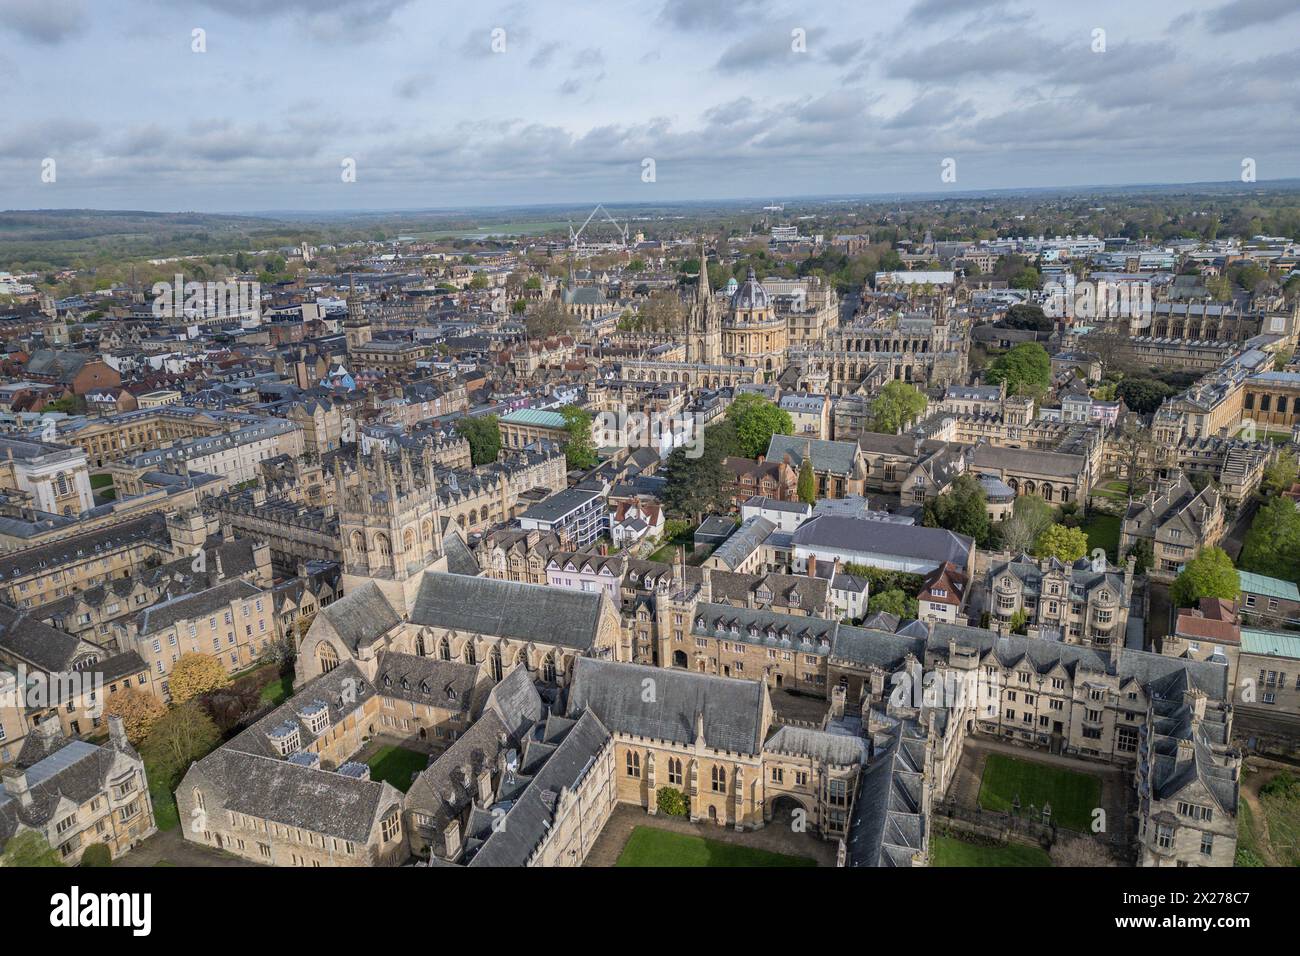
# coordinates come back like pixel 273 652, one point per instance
pixel 712 90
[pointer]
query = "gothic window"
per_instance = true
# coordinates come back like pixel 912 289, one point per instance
pixel 383 546
pixel 358 542
pixel 420 649
pixel 495 661
pixel 470 656
pixel 633 764
pixel 719 780
pixel 675 771
pixel 444 649
pixel 327 658
pixel 408 541
pixel 548 669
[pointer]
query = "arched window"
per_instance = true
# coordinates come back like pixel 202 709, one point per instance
pixel 198 799
pixel 444 649
pixel 633 764
pixel 548 669
pixel 358 542
pixel 675 771
pixel 420 649
pixel 495 661
pixel 470 656
pixel 408 541
pixel 326 658
pixel 383 545
pixel 719 780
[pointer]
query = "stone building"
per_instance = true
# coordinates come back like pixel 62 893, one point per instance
pixel 1077 603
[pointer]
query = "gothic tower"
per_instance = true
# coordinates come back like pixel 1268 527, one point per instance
pixel 390 523
pixel 703 321
pixel 357 325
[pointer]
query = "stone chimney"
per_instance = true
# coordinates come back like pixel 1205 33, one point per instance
pixel 706 587
pixel 117 733
pixel 812 565
pixel 15 784
pixel 218 572
pixel 485 786
pixel 451 837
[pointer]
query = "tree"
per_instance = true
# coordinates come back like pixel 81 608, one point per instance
pixel 29 849
pixel 1019 623
pixel 138 709
pixel 97 855
pixel 1272 545
pixel 1030 517
pixel 757 420
pixel 892 602
pixel 701 485
pixel 179 738
pixel 1280 473
pixel 1026 370
pixel 1080 851
pixel 963 509
pixel 484 437
pixel 807 487
pixel 579 450
pixel 550 320
pixel 897 405
pixel 1209 574
pixel 1143 395
pixel 1026 317
pixel 1064 544
pixel 194 675
pixel 671 802
pixel 1143 554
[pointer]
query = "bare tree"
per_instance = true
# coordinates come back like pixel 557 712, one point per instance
pixel 1080 851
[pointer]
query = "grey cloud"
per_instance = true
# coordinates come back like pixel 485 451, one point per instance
pixel 1240 14
pixel 694 14
pixel 44 21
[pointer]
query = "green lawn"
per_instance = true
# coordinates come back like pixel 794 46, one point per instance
pixel 1103 532
pixel 648 846
pixel 278 690
pixel 165 813
pixel 947 851
pixel 396 765
pixel 101 481
pixel 1073 795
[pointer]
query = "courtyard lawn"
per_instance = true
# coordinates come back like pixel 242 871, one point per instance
pixel 278 691
pixel 101 481
pixel 648 846
pixel 396 765
pixel 1103 532
pixel 948 851
pixel 1073 795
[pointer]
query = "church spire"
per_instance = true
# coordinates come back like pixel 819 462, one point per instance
pixel 704 290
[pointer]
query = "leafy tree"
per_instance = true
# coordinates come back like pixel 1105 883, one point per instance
pixel 1064 544
pixel 183 735
pixel 1026 370
pixel 1209 574
pixel 1272 545
pixel 579 450
pixel 1019 623
pixel 757 420
pixel 194 675
pixel 29 849
pixel 963 509
pixel 893 602
pixel 882 579
pixel 138 709
pixel 1144 555
pixel 1143 395
pixel 671 802
pixel 550 320
pixel 97 855
pixel 1280 474
pixel 1026 317
pixel 698 486
pixel 807 487
pixel 1030 517
pixel 484 437
pixel 898 404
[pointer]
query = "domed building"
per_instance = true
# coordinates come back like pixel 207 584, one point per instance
pixel 752 332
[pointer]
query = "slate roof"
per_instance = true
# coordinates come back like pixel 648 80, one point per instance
pixel 361 616
pixel 743 541
pixel 834 457
pixel 68 769
pixel 886 826
pixel 884 537
pixel 530 612
pixel 732 709
pixel 842 750
pixel 187 607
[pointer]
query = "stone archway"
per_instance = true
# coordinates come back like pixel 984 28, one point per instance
pixel 781 810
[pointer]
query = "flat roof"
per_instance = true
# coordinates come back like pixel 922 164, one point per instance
pixel 1269 587
pixel 1270 643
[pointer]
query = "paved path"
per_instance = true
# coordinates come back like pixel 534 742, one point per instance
pixel 773 837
